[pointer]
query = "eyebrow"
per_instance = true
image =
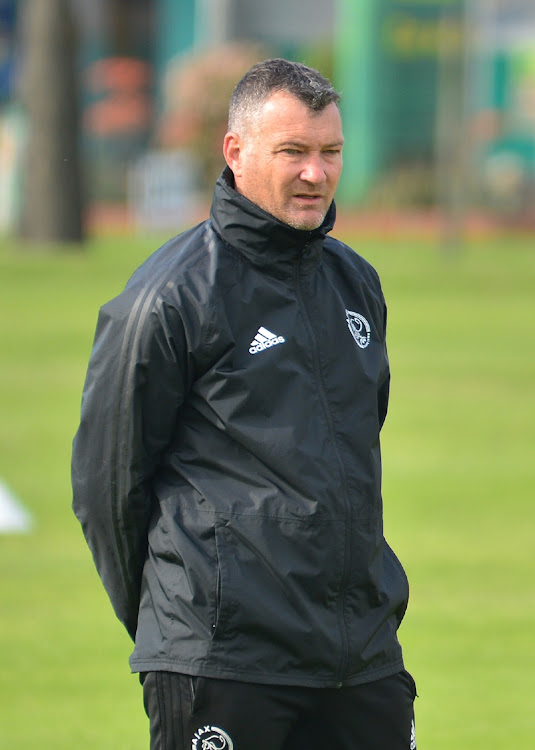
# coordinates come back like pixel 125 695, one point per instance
pixel 302 144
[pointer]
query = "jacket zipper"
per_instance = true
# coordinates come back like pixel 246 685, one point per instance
pixel 325 404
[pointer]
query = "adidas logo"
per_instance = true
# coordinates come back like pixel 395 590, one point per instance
pixel 264 339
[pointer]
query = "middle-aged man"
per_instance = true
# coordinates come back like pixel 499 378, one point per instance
pixel 227 468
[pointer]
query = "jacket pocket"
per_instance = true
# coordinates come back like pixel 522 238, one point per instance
pixel 217 608
pixel 183 574
pixel 279 582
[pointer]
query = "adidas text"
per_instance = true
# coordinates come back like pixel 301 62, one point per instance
pixel 264 339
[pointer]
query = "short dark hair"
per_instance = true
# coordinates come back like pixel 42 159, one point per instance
pixel 277 74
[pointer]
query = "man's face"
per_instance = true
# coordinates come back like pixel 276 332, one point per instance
pixel 290 164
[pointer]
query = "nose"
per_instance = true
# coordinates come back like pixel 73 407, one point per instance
pixel 313 169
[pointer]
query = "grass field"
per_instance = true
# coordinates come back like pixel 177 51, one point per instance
pixel 459 487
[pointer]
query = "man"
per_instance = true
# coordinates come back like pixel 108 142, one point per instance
pixel 227 467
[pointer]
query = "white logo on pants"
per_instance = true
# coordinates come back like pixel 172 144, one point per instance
pixel 211 738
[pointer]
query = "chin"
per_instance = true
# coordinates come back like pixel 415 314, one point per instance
pixel 307 224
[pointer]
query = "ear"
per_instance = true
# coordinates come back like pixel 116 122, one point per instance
pixel 232 151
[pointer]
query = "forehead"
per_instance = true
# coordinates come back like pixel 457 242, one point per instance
pixel 284 117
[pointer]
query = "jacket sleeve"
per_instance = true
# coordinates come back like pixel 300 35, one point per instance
pixel 135 384
pixel 384 383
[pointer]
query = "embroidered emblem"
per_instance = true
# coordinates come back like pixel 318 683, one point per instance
pixel 359 327
pixel 211 738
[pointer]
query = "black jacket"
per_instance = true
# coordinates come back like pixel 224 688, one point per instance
pixel 227 469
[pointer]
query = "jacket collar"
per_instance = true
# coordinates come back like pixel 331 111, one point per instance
pixel 260 237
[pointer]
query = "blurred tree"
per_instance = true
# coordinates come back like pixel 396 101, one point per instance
pixel 120 32
pixel 197 89
pixel 130 26
pixel 52 182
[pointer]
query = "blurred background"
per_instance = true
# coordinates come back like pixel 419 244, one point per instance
pixel 114 110
pixel 112 114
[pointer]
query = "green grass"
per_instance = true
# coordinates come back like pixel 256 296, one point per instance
pixel 459 477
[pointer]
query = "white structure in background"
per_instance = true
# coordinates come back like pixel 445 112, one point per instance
pixel 13 517
pixel 212 22
pixel 12 136
pixel 163 191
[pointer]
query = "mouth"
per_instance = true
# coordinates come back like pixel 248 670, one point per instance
pixel 308 198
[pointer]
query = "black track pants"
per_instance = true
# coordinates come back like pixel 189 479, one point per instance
pixel 196 713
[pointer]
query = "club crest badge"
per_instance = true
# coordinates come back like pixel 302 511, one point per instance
pixel 359 327
pixel 211 738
